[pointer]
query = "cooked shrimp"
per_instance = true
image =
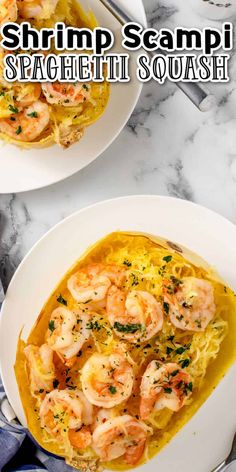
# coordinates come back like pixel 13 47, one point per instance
pixel 67 95
pixel 81 438
pixel 28 124
pixel 91 283
pixel 107 380
pixel 103 415
pixel 134 316
pixel 8 11
pixel 65 411
pixel 163 386
pixel 26 94
pixel 67 331
pixel 41 368
pixel 37 9
pixel 120 436
pixel 191 303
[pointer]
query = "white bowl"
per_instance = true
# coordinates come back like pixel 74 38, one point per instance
pixel 217 10
pixel 31 169
pixel 205 440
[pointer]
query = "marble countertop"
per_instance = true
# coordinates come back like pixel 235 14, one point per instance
pixel 168 147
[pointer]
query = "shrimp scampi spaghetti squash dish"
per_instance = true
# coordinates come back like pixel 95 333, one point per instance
pixel 39 115
pixel 127 348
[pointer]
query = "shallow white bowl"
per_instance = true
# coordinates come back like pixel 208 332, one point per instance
pixel 22 170
pixel 205 440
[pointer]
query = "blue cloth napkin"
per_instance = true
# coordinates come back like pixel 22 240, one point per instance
pixel 19 453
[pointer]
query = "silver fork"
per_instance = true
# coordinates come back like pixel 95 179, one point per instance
pixel 2 295
pixel 194 91
pixel 231 457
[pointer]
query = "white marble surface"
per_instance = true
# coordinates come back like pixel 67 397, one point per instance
pixel 168 148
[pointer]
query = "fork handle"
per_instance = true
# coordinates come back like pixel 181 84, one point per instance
pixel 194 91
pixel 116 11
pixel 221 467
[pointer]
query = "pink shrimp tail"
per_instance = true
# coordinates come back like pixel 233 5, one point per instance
pixel 146 406
pixel 134 453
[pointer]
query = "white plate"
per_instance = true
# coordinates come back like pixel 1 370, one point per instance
pixel 27 170
pixel 205 440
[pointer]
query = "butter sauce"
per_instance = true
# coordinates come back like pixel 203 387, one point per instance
pixel 171 423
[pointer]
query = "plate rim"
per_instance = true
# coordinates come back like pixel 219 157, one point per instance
pixel 132 198
pixel 100 203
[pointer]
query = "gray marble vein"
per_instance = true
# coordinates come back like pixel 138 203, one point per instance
pixel 168 147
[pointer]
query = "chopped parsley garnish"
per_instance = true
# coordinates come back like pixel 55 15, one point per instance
pixel 167 390
pixel 169 350
pixel 19 129
pixel 13 109
pixel 94 325
pixel 33 114
pixel 186 305
pixel 41 390
pixel 2 94
pixel 198 323
pixel 162 271
pixel 176 281
pixel 128 328
pixel 185 363
pixel 167 258
pixel 127 263
pixel 86 87
pixel 51 326
pixel 175 372
pixel 180 350
pixel 112 389
pixel 55 383
pixel 166 307
pixel 135 280
pixel 61 300
pixel 170 338
pixel 174 285
pixel 189 386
